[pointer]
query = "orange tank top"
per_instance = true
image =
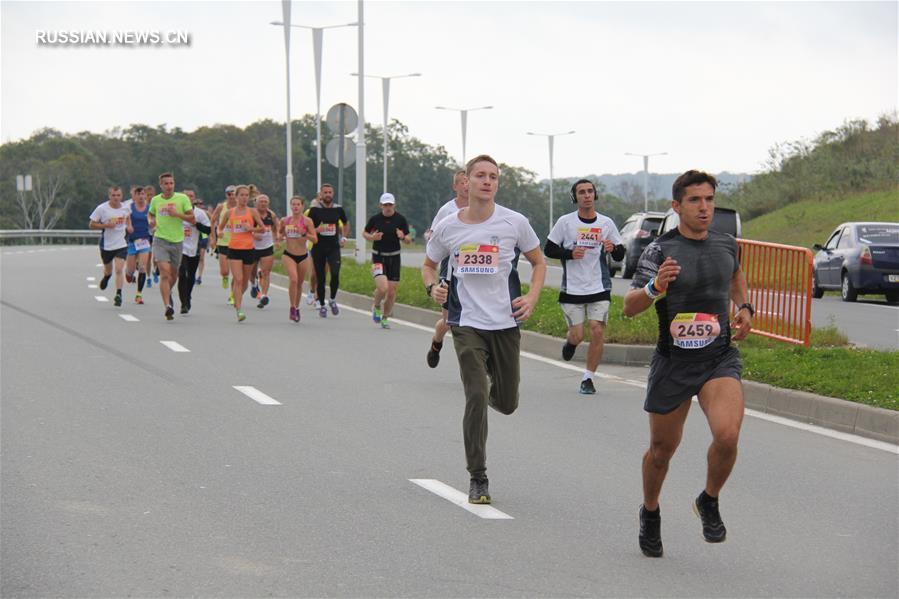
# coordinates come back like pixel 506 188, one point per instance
pixel 241 230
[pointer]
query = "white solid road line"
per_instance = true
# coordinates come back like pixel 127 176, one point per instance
pixel 174 346
pixel 101 298
pixel 864 441
pixel 257 395
pixel 129 318
pixel 461 499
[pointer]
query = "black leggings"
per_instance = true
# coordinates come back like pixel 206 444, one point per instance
pixel 332 258
pixel 187 275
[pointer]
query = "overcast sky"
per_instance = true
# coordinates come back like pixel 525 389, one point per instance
pixel 714 84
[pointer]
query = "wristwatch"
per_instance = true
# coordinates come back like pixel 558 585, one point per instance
pixel 749 307
pixel 429 287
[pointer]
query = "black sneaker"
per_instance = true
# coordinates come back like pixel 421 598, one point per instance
pixel 478 491
pixel 117 301
pixel 568 351
pixel 712 527
pixel 184 309
pixel 169 313
pixel 650 533
pixel 263 302
pixel 104 282
pixel 587 387
pixel 434 354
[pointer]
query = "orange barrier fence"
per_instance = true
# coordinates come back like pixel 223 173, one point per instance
pixel 780 289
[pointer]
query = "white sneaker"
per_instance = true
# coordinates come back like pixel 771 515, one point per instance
pixel 310 298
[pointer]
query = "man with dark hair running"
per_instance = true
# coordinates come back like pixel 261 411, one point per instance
pixel 332 225
pixel 691 274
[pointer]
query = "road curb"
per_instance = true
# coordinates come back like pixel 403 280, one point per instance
pixel 827 412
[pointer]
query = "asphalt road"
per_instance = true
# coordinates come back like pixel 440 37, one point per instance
pixel 129 469
pixel 867 322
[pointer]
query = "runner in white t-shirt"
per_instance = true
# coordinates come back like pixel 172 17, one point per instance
pixel 485 306
pixel 191 252
pixel 581 240
pixel 460 186
pixel 114 221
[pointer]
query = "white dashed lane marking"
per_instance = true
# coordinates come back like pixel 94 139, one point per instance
pixel 257 395
pixel 101 298
pixel 175 346
pixel 129 318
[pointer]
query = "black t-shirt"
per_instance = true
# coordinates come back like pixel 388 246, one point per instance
pixel 697 303
pixel 388 225
pixel 328 223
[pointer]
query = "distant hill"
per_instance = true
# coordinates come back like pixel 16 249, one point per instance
pixel 629 186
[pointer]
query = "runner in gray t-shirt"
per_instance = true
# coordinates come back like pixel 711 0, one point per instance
pixel 691 274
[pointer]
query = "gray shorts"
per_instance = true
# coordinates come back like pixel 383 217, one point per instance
pixel 167 251
pixel 576 314
pixel 672 382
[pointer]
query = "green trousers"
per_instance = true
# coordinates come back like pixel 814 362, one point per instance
pixel 490 370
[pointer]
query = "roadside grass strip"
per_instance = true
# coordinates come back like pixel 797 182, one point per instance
pixel 460 499
pixel 257 395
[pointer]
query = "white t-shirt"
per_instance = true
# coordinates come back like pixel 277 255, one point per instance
pixel 482 259
pixel 590 274
pixel 449 208
pixel 113 239
pixel 192 234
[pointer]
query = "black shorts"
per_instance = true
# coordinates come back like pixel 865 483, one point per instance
pixel 221 250
pixel 107 256
pixel 245 256
pixel 391 266
pixel 672 382
pixel 297 259
pixel 204 243
pixel 269 251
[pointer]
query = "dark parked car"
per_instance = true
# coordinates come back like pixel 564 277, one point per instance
pixel 726 220
pixel 636 233
pixel 859 258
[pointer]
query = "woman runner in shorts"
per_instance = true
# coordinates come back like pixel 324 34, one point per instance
pixel 264 244
pixel 296 230
pixel 243 222
pixel 139 243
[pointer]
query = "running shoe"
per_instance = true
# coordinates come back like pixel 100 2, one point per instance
pixel 169 313
pixel 293 314
pixel 297 309
pixel 587 387
pixel 434 354
pixel 117 301
pixel 184 309
pixel 310 298
pixel 706 507
pixel 322 311
pixel 241 316
pixel 334 309
pixel 376 315
pixel 384 323
pixel 149 282
pixel 650 533
pixel 254 290
pixel 478 491
pixel 138 299
pixel 199 280
pixel 263 302
pixel 104 281
pixel 156 276
pixel 568 351
pixel 224 282
pixel 129 276
pixel 231 299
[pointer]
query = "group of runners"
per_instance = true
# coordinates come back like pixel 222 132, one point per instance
pixel 691 275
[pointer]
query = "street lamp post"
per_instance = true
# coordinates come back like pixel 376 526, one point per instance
pixel 360 142
pixel 464 113
pixel 550 137
pixel 317 39
pixel 385 89
pixel 646 175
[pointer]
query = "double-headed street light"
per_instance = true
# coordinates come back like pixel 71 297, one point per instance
pixel 385 88
pixel 317 38
pixel 646 175
pixel 550 137
pixel 464 112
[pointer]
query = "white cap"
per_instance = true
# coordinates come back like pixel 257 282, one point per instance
pixel 387 198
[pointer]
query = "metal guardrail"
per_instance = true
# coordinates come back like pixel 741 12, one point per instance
pixel 48 235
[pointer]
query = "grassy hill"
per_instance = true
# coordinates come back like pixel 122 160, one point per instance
pixel 807 222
